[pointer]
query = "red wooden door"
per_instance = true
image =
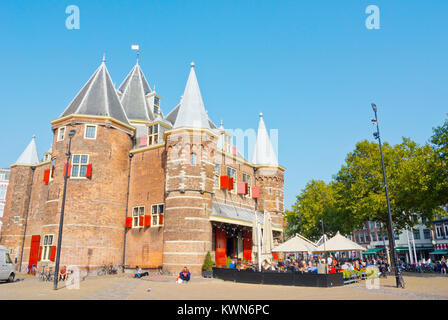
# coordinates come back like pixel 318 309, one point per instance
pixel 247 245
pixel 221 247
pixel 34 250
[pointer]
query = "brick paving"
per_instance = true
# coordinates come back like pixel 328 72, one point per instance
pixel 122 287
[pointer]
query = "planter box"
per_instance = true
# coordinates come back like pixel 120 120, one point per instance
pixel 207 273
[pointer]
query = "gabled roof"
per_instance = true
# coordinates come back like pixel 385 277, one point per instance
pixel 29 155
pixel 264 153
pixel 133 95
pixel 192 112
pixel 98 97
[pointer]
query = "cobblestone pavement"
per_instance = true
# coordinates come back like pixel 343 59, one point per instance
pixel 123 287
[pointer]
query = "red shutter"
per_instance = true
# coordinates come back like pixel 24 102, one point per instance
pixel 39 255
pixel 143 141
pixel 52 253
pixel 224 181
pixel 255 192
pixel 241 187
pixel 140 221
pixel 46 176
pixel 128 222
pixel 275 255
pixel 89 171
pixel 246 188
pixel 147 220
pixel 69 169
pixel 230 184
pixel 234 150
pixel 160 219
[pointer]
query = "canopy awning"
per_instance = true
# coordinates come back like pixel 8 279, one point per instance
pixel 373 250
pixel 339 243
pixel 296 244
pixel 231 214
pixel 439 252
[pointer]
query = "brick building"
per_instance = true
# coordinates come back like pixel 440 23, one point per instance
pixel 4 180
pixel 144 188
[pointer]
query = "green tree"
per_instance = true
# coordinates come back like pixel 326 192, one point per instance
pixel 439 169
pixel 314 203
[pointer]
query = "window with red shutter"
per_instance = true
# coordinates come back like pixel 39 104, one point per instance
pixel 160 219
pixel 255 192
pixel 46 176
pixel 128 222
pixel 224 182
pixel 147 220
pixel 69 169
pixel 230 184
pixel 53 253
pixel 89 171
pixel 140 221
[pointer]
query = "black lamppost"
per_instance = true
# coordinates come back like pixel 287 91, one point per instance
pixel 398 277
pixel 61 221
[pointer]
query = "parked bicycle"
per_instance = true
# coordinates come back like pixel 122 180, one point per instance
pixel 107 270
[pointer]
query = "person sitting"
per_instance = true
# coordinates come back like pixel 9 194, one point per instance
pixel 185 275
pixel 63 273
pixel 140 273
pixel 232 265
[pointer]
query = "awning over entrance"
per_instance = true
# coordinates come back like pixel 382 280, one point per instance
pixel 417 248
pixel 373 250
pixel 231 214
pixel 439 252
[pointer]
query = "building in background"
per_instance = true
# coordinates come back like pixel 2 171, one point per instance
pixel 4 180
pixel 417 241
pixel 144 188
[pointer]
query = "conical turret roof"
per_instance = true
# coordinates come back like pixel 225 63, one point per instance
pixel 134 90
pixel 191 111
pixel 29 155
pixel 98 97
pixel 264 153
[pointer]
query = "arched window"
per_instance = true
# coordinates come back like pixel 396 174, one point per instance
pixel 193 159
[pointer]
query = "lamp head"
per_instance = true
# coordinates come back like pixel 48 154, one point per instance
pixel 72 133
pixel 374 107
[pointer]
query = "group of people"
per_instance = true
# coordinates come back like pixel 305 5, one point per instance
pixel 439 266
pixel 310 264
pixel 32 269
pixel 184 275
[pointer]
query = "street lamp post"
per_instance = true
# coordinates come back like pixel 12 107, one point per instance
pixel 61 220
pixel 398 277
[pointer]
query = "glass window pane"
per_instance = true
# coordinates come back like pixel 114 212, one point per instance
pixel 154 209
pixel 156 128
pixel 160 208
pixel 76 158
pixel 154 219
pixel 142 211
pixel 84 158
pixel 83 171
pixel 150 130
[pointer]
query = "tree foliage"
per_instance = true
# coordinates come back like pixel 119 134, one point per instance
pixel 417 178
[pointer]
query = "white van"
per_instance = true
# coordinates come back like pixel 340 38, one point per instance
pixel 7 270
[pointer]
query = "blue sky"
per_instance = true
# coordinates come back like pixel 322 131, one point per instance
pixel 311 67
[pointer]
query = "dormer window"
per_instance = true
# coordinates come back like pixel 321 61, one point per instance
pixel 156 106
pixel 153 134
pixel 61 134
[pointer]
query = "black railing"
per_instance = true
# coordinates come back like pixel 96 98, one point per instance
pixel 287 278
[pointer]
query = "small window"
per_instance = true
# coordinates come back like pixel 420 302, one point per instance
pixel 137 212
pixel 46 248
pixel 90 132
pixel 269 191
pixel 153 134
pixel 193 159
pixel 79 165
pixel 61 134
pixel 231 173
pixel 373 236
pixel 156 101
pixel 156 210
pixel 156 110
pixel 217 174
pixel 247 179
pixel 439 231
pixel 417 234
pixel 16 219
pixel 427 234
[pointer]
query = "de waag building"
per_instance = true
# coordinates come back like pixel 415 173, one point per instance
pixel 144 189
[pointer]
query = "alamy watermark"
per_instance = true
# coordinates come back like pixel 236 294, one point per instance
pixel 73 20
pixel 373 20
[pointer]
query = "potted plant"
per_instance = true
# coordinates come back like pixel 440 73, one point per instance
pixel 207 267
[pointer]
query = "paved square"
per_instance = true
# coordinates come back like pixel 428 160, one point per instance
pixel 124 287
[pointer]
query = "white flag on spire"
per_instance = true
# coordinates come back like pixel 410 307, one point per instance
pixel 135 47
